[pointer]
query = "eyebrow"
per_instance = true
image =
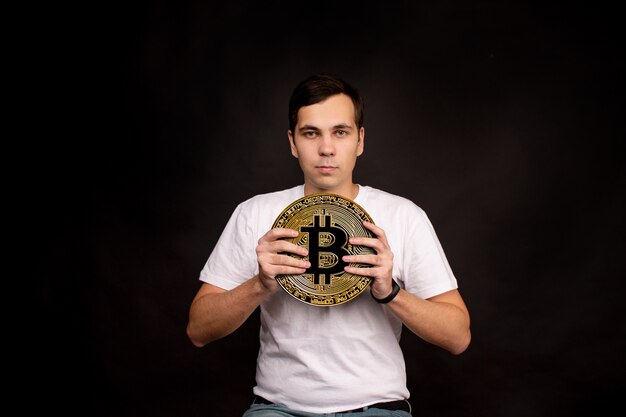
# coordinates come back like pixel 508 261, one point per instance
pixel 317 129
pixel 308 127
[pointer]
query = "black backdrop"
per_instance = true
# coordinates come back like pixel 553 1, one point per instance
pixel 503 120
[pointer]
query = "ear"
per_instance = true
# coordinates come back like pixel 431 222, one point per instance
pixel 292 144
pixel 361 144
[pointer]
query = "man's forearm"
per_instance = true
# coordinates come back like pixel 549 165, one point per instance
pixel 444 322
pixel 215 314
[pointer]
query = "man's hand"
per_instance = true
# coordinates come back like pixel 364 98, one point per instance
pixel 273 260
pixel 382 261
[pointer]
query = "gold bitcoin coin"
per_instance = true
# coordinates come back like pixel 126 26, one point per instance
pixel 325 222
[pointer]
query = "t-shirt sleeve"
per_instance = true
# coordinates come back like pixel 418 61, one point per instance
pixel 233 260
pixel 426 269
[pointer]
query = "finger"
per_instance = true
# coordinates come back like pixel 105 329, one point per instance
pixel 274 264
pixel 293 271
pixel 363 259
pixel 285 260
pixel 284 246
pixel 373 243
pixel 364 271
pixel 289 270
pixel 376 230
pixel 283 270
pixel 278 233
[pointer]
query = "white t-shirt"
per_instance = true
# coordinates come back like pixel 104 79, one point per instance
pixel 328 359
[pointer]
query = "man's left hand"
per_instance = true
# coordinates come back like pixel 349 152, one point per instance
pixel 381 262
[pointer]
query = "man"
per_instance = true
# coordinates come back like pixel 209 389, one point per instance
pixel 344 358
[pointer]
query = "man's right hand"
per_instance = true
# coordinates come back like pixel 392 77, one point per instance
pixel 273 260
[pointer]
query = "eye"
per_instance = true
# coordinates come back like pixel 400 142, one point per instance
pixel 309 134
pixel 341 133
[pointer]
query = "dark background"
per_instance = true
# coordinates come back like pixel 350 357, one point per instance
pixel 503 120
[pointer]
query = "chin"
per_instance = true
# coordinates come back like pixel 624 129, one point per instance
pixel 326 188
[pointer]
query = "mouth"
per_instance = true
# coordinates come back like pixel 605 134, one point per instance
pixel 326 169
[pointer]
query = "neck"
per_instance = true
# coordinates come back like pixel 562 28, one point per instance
pixel 350 191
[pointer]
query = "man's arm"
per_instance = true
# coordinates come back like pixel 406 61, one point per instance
pixel 442 320
pixel 216 312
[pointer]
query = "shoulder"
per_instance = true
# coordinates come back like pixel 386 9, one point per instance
pixel 282 197
pixel 391 204
pixel 262 209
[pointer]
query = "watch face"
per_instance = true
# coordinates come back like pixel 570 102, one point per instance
pixel 325 223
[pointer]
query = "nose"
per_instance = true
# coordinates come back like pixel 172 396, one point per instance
pixel 326 146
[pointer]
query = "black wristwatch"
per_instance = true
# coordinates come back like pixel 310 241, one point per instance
pixel 394 291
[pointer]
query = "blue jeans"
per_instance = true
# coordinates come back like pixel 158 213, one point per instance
pixel 276 410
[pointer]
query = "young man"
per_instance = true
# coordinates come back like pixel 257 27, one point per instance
pixel 346 357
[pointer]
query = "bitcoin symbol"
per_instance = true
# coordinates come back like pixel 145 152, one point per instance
pixel 326 245
pixel 325 223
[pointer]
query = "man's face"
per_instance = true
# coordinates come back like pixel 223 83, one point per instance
pixel 327 142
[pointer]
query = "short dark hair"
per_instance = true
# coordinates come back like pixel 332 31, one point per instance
pixel 317 88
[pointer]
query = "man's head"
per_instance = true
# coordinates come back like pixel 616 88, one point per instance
pixel 317 88
pixel 326 134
